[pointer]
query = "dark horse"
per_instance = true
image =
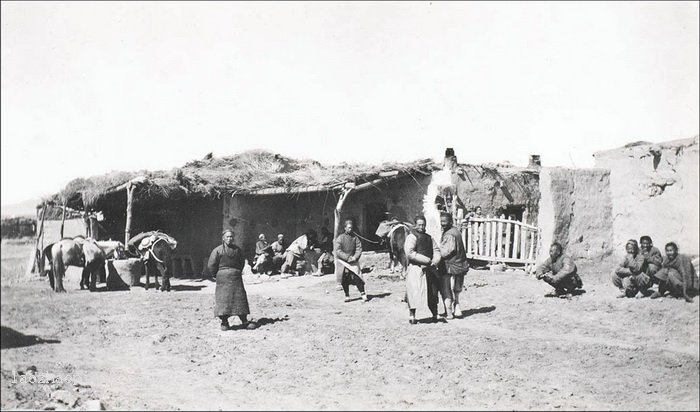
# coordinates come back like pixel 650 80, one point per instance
pixel 78 252
pixel 395 233
pixel 156 251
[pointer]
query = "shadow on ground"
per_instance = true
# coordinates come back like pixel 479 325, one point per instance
pixel 262 322
pixel 10 338
pixel 484 309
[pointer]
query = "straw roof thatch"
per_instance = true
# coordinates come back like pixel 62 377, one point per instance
pixel 242 173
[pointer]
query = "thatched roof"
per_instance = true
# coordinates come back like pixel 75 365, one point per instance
pixel 246 173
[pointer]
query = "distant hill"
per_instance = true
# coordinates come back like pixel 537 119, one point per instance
pixel 26 208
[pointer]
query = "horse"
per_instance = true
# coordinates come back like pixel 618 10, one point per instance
pixel 156 250
pixel 79 252
pixel 113 249
pixel 395 232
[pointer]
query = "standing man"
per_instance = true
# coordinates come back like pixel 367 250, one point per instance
pixel 455 258
pixel 559 271
pixel 347 249
pixel 652 255
pixel 227 261
pixel 423 257
pixel 677 275
pixel 630 276
pixel 278 249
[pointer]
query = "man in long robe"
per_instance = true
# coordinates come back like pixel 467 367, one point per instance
pixel 227 261
pixel 423 258
pixel 677 275
pixel 347 250
pixel 630 276
pixel 455 259
pixel 559 271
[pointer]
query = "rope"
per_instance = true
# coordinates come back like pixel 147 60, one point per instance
pixel 367 240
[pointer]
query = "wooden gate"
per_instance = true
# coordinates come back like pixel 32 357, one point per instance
pixel 501 240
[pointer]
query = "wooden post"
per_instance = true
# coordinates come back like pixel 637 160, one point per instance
pixel 38 264
pixel 129 201
pixel 532 246
pixel 487 239
pixel 507 254
pixel 516 239
pixel 523 242
pixel 338 209
pixel 63 218
pixel 467 239
pixel 481 238
pixel 499 227
pixel 494 239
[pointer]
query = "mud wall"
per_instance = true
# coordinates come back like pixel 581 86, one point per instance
pixel 654 191
pixel 494 188
pixel 293 214
pixel 575 210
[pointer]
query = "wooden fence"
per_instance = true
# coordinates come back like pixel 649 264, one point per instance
pixel 501 240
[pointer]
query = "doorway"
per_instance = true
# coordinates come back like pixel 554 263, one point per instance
pixel 375 213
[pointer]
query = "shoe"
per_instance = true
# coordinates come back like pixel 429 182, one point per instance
pixel 655 295
pixel 412 321
pixel 225 327
pixel 365 298
pixel 347 299
pixel 450 316
pixel 251 325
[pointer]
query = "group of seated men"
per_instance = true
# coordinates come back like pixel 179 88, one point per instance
pixel 640 270
pixel 279 257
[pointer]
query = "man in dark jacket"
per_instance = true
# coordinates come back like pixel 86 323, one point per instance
pixel 652 255
pixel 347 249
pixel 454 258
pixel 559 271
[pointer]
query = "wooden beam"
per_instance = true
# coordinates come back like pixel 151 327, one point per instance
pixel 129 202
pixel 63 218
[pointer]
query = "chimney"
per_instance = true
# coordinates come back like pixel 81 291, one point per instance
pixel 450 162
pixel 535 161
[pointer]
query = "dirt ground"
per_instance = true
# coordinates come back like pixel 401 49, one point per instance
pixel 513 349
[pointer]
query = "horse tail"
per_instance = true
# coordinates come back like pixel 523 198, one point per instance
pixel 401 252
pixel 59 270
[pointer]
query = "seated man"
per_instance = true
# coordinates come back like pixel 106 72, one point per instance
pixel 296 252
pixel 630 276
pixel 277 249
pixel 262 261
pixel 652 255
pixel 677 275
pixel 559 271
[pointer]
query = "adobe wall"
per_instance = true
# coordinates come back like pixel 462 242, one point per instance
pixel 654 191
pixel 575 210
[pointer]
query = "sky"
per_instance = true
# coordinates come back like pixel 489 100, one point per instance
pixel 88 88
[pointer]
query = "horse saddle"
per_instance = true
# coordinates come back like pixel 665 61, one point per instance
pixel 148 242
